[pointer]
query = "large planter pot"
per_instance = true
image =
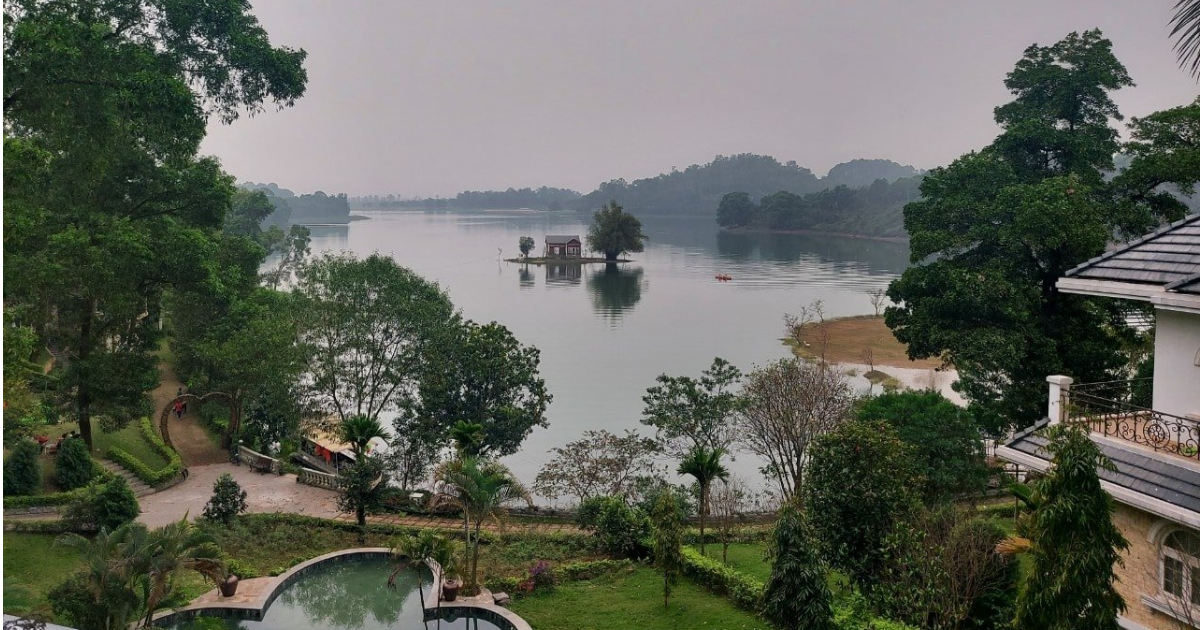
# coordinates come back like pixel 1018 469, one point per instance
pixel 450 590
pixel 229 586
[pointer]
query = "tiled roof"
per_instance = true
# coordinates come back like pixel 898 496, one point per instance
pixel 1169 258
pixel 1137 470
pixel 557 239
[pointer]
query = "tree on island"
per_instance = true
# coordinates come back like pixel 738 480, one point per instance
pixel 526 244
pixel 997 228
pixel 615 232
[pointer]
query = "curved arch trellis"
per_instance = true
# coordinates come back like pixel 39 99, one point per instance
pixel 235 414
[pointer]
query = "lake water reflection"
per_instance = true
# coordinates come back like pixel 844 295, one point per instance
pixel 606 331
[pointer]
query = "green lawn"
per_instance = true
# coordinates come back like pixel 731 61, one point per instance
pixel 745 557
pixel 33 565
pixel 128 438
pixel 631 600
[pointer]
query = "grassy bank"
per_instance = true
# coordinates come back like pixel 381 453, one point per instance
pixel 631 600
pixel 33 565
pixel 845 339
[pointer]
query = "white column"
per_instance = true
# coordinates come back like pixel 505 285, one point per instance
pixel 1060 388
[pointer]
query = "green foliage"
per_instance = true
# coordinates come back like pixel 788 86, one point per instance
pixel 366 326
pixel 874 209
pixel 746 592
pixel 228 500
pixel 468 438
pixel 600 463
pixel 667 532
pixel 1072 581
pixel 619 529
pixel 997 228
pixel 797 594
pixel 361 489
pixel 589 569
pixel 104 504
pixel 22 475
pixel 359 430
pixel 704 464
pixel 479 488
pixel 526 244
pixel 107 202
pixel 688 412
pixel 853 501
pixel 139 468
pixel 75 602
pixel 479 374
pixel 73 465
pixel 20 404
pixel 614 232
pixel 943 436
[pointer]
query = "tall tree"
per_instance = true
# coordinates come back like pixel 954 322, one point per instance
pixel 797 593
pixel 599 464
pixel 107 203
pixel 367 326
pixel 668 540
pixel 997 228
pixel 704 465
pixel 690 412
pixel 785 406
pixel 614 232
pixel 480 374
pixel 362 487
pixel 1072 581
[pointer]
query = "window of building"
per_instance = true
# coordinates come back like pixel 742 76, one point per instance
pixel 1181 566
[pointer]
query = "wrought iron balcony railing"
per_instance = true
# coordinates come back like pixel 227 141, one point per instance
pixel 1120 409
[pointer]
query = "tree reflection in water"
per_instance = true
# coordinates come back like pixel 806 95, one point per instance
pixel 344 595
pixel 616 290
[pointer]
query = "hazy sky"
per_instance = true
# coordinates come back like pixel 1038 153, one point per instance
pixel 433 97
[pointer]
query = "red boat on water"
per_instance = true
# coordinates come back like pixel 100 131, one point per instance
pixel 723 277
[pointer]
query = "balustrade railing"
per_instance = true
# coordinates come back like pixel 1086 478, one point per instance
pixel 316 478
pixel 1120 409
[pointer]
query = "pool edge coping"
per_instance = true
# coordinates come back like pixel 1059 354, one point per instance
pixel 259 605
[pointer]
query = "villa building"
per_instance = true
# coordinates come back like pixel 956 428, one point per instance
pixel 1149 428
pixel 563 246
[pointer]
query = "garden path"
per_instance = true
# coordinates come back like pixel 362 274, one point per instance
pixel 265 493
pixel 453 524
pixel 194 444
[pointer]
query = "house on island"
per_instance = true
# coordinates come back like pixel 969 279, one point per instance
pixel 1149 428
pixel 563 246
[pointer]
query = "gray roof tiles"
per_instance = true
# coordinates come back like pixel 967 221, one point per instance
pixel 1168 257
pixel 561 239
pixel 1157 477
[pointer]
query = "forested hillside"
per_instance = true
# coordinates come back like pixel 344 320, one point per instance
pixel 316 207
pixel 544 198
pixel 876 210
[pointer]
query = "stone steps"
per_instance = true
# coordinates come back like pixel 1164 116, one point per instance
pixel 140 488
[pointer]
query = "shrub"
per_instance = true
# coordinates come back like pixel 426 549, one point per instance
pixel 743 590
pixel 228 500
pixel 592 569
pixel 504 585
pixel 242 570
pixel 139 468
pixel 73 466
pixel 542 575
pixel 109 505
pixel 588 514
pixel 74 602
pixel 797 594
pixel 621 530
pixel 21 473
pixel 854 500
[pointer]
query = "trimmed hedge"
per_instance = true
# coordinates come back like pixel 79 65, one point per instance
pixel 588 569
pixel 57 498
pixel 744 591
pixel 139 468
pixel 43 527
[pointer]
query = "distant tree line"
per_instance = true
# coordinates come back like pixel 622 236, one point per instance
pixel 544 198
pixel 317 207
pixel 877 210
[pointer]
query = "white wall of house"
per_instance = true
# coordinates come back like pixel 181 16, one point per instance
pixel 1176 375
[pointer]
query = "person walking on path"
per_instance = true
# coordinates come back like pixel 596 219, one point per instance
pixel 178 410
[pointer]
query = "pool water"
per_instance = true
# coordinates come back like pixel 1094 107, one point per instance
pixel 348 595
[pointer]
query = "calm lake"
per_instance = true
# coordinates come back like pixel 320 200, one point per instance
pixel 604 332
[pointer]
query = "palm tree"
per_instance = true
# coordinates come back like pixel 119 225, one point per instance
pixel 359 430
pixel 705 465
pixel 479 488
pixel 417 549
pixel 468 438
pixel 173 549
pixel 1186 24
pixel 112 563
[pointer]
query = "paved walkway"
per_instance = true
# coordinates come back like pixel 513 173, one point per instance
pixel 194 444
pixel 265 493
pixel 453 524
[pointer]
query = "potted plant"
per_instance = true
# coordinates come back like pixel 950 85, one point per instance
pixel 451 580
pixel 427 545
